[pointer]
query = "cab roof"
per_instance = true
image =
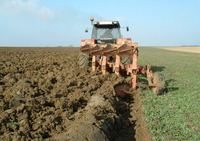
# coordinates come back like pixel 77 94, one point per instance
pixel 106 23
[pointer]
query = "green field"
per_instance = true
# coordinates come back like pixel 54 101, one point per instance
pixel 176 114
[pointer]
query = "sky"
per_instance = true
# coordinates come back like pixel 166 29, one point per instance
pixel 63 22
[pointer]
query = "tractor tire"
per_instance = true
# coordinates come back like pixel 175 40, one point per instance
pixel 126 60
pixel 84 60
pixel 159 80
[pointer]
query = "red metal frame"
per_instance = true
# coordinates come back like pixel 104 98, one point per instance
pixel 123 48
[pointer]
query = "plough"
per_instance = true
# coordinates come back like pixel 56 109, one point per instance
pixel 116 54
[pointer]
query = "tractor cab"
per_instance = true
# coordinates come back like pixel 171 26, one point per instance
pixel 106 32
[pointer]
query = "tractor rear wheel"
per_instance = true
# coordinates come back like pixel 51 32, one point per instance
pixel 126 60
pixel 159 81
pixel 84 60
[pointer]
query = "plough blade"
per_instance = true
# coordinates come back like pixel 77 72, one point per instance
pixel 87 48
pixel 110 50
pixel 97 50
pixel 126 50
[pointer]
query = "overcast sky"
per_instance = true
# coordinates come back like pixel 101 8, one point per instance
pixel 62 22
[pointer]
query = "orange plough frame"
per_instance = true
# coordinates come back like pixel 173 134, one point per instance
pixel 123 48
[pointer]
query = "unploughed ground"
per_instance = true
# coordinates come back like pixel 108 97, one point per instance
pixel 45 96
pixel 183 49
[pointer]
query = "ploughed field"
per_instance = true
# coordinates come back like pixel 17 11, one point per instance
pixel 44 95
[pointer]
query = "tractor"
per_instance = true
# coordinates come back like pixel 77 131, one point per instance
pixel 108 50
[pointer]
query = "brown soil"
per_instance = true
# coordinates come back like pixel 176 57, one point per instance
pixel 44 95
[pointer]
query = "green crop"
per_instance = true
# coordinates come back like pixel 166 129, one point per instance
pixel 174 115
